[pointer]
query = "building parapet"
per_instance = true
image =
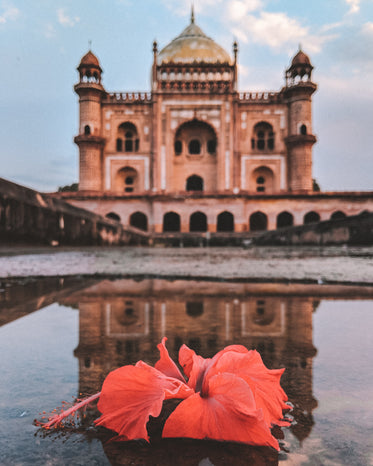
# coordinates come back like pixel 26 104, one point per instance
pixel 259 96
pixel 128 97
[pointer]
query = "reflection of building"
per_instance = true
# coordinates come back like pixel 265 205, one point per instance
pixel 122 321
pixel 195 154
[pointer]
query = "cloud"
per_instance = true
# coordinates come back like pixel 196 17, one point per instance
pixel 66 20
pixel 239 8
pixel 278 31
pixel 9 12
pixel 354 6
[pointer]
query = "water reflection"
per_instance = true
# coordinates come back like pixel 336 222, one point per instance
pixel 122 321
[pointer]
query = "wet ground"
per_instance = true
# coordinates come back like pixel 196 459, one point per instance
pixel 68 317
pixel 330 264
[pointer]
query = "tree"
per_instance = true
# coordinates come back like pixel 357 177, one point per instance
pixel 69 188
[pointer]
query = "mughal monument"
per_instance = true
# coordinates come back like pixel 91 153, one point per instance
pixel 195 154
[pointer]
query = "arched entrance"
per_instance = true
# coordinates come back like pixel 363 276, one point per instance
pixel 171 222
pixel 338 215
pixel 198 222
pixel 113 216
pixel 258 221
pixel 225 222
pixel 139 220
pixel 311 217
pixel 285 219
pixel 194 183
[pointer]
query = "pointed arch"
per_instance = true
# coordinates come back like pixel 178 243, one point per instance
pixel 127 138
pixel 171 222
pixel 139 220
pixel 113 216
pixel 284 219
pixel 258 221
pixel 263 180
pixel 198 222
pixel 263 138
pixel 225 222
pixel 311 217
pixel 337 215
pixel 194 183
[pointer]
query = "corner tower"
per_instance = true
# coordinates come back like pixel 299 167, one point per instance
pixel 89 139
pixel 299 141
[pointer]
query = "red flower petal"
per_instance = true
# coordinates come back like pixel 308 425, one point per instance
pixel 227 413
pixel 265 383
pixel 194 366
pixel 131 394
pixel 186 359
pixel 166 364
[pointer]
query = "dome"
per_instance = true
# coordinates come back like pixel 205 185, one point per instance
pixel 90 59
pixel 300 59
pixel 193 46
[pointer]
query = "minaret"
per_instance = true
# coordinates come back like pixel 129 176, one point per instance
pixel 89 139
pixel 298 92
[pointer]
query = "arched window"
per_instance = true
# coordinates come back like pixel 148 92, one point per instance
pixel 225 222
pixel 171 222
pixel 338 215
pixel 211 146
pixel 258 221
pixel 119 145
pixel 264 137
pixel 198 222
pixel 178 147
pixel 303 129
pixel 260 184
pixel 263 180
pixel 194 183
pixel 195 138
pixel 285 219
pixel 127 139
pixel 87 130
pixel 139 220
pixel 127 180
pixel 113 216
pixel 311 217
pixel 194 146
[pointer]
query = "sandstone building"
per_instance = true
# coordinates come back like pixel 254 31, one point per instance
pixel 195 153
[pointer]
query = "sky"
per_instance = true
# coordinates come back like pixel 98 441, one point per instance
pixel 42 42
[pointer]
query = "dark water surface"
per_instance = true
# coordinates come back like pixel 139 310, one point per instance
pixel 60 337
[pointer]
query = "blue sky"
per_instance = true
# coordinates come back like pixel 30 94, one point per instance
pixel 41 43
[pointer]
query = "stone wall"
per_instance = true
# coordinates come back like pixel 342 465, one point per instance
pixel 27 216
pixel 353 230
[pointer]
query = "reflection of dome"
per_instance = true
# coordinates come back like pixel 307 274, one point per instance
pixel 192 45
pixel 300 59
pixel 90 59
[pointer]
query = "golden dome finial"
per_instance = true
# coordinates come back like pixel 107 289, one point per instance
pixel 192 14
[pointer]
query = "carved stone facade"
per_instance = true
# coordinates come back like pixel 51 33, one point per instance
pixel 195 154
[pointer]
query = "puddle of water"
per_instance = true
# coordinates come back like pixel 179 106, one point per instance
pixel 61 337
